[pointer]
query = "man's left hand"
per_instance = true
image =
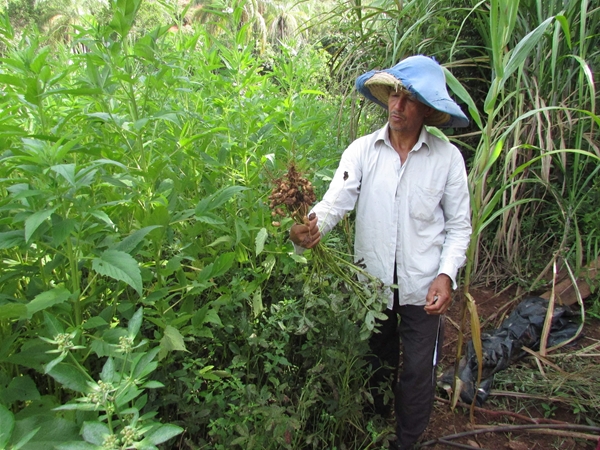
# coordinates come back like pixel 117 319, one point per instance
pixel 439 297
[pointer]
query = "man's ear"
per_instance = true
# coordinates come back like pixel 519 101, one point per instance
pixel 429 111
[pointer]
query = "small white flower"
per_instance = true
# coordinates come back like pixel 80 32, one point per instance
pixel 228 10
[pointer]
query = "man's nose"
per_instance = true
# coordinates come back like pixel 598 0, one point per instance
pixel 401 102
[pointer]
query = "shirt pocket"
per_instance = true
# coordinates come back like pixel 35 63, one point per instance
pixel 423 203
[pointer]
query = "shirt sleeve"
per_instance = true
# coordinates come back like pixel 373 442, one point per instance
pixel 343 191
pixel 457 216
pixel 341 196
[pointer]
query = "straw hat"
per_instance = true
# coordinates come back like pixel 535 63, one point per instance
pixel 424 78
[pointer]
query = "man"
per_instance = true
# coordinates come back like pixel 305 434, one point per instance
pixel 412 226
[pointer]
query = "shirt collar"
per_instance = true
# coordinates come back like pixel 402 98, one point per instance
pixel 383 134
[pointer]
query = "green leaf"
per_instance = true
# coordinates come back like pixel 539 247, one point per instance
pixel 7 419
pixel 128 244
pixel 9 239
pixel 61 229
pixel 124 15
pixel 13 311
pixel 464 95
pixel 54 362
pixel 222 264
pixel 20 389
pixel 183 142
pixel 162 434
pixel 261 237
pixel 50 431
pixel 47 299
pixel 67 171
pixel 257 304
pixel 212 316
pixel 94 322
pixel 53 325
pixel 77 445
pixel 218 198
pixel 108 371
pixel 524 48
pixel 209 218
pixel 94 432
pixel 143 366
pixel 70 377
pixel 120 266
pixel 172 340
pixel 133 327
pixel 34 221
pixel 153 385
pixel 25 439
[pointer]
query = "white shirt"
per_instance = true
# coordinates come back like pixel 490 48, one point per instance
pixel 416 213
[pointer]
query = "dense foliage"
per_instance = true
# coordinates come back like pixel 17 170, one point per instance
pixel 147 293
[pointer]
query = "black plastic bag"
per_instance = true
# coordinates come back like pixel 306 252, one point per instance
pixel 522 328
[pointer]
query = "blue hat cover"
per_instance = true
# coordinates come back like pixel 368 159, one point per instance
pixel 423 77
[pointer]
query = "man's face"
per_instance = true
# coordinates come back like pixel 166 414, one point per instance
pixel 406 113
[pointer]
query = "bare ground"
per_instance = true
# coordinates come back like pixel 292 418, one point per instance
pixel 505 411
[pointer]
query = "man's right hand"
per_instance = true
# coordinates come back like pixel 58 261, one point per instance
pixel 306 235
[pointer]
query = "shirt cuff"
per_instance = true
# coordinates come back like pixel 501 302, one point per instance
pixel 451 272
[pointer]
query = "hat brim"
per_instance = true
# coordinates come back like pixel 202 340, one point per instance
pixel 382 84
pixel 376 86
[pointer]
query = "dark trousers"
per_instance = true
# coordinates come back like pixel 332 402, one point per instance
pixel 414 389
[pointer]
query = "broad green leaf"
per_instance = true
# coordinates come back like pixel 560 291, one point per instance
pixel 12 80
pixel 218 198
pixel 70 377
pixel 124 397
pixel 35 220
pixel 108 371
pixel 94 322
pixel 153 385
pixel 162 434
pixel 50 431
pixel 133 327
pixel 209 218
pixel 9 239
pixel 25 439
pixel 227 240
pixel 48 367
pixel 7 419
pixel 67 171
pixel 78 445
pixel 20 389
pixel 47 299
pixel 128 244
pixel 172 340
pixel 222 264
pixel 61 229
pixel 120 266
pixel 94 432
pixel 299 258
pixel 212 316
pixel 103 217
pixel 257 303
pixel 143 366
pixel 261 237
pixel 124 12
pixel 53 325
pixel 13 311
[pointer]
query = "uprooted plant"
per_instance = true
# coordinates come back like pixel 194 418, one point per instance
pixel 295 193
